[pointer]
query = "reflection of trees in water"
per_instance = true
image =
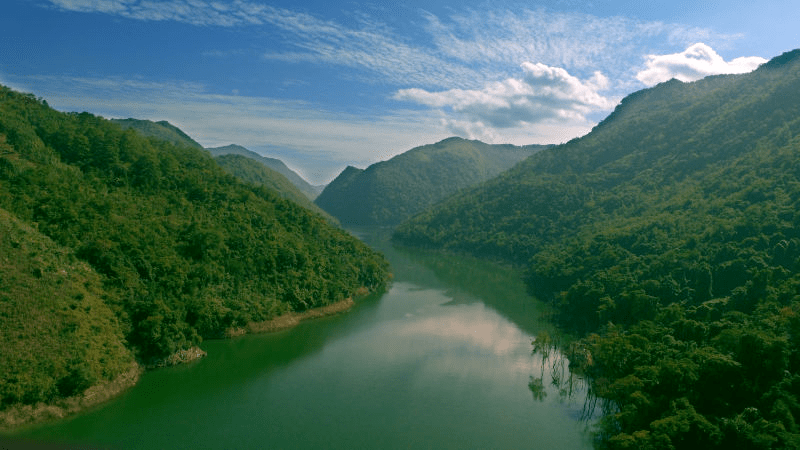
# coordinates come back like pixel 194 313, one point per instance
pixel 563 378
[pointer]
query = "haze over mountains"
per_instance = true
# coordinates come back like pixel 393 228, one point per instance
pixel 275 164
pixel 247 165
pixel 166 131
pixel 388 192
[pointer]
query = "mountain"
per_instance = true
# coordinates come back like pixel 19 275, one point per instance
pixel 116 246
pixel 388 192
pixel 165 131
pixel 161 130
pixel 247 165
pixel 668 238
pixel 252 171
pixel 275 164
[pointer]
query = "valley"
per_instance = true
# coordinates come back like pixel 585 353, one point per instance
pixel 636 287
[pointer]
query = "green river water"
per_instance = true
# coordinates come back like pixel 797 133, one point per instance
pixel 441 360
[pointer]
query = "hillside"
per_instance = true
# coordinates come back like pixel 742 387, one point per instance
pixel 238 161
pixel 251 171
pixel 391 191
pixel 52 312
pixel 668 237
pixel 158 234
pixel 162 130
pixel 277 165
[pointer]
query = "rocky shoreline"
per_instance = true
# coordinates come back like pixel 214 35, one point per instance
pixel 179 357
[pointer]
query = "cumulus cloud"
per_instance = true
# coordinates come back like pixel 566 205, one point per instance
pixel 692 64
pixel 542 95
pixel 464 68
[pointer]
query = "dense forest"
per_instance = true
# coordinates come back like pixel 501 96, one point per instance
pixel 116 246
pixel 667 238
pixel 251 170
pixel 391 191
pixel 240 162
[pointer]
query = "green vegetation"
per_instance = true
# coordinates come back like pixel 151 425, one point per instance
pixel 162 130
pixel 179 250
pixel 275 164
pixel 668 239
pixel 391 191
pixel 51 304
pixel 252 171
pixel 240 162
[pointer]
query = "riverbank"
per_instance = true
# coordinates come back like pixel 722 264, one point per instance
pixel 180 357
pixel 16 417
pixel 292 319
pixel 22 415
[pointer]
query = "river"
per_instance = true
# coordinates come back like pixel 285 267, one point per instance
pixel 441 360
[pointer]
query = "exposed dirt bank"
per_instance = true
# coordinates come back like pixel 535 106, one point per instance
pixel 291 319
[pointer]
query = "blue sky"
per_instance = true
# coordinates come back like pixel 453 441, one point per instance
pixel 325 84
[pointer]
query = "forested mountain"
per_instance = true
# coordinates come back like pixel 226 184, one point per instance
pixel 129 245
pixel 388 192
pixel 162 130
pixel 252 171
pixel 239 161
pixel 668 237
pixel 275 164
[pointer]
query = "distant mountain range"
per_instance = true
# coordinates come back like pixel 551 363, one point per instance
pixel 251 170
pixel 166 131
pixel 277 165
pixel 388 192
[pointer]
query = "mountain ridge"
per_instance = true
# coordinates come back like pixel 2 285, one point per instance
pixel 161 130
pixel 667 240
pixel 133 247
pixel 253 171
pixel 275 164
pixel 390 191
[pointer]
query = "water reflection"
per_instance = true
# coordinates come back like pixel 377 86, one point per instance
pixel 442 360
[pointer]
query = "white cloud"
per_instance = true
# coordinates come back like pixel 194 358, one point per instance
pixel 694 63
pixel 315 142
pixel 464 68
pixel 574 40
pixel 463 50
pixel 543 95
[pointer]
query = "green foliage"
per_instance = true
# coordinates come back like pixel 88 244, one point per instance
pixel 668 238
pixel 57 335
pixel 251 170
pixel 311 192
pixel 183 250
pixel 162 130
pixel 391 191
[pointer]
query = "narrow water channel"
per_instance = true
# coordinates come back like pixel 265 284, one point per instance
pixel 441 360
